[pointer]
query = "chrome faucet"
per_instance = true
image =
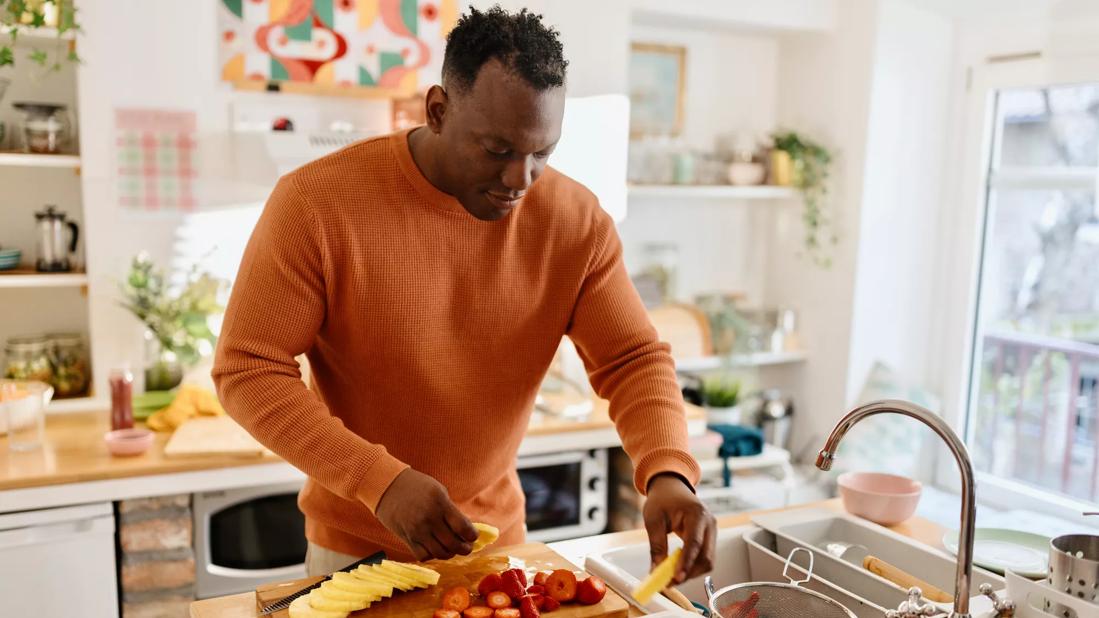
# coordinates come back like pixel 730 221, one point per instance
pixel 964 573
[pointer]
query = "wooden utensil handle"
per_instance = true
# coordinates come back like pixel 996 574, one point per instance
pixel 905 580
pixel 679 599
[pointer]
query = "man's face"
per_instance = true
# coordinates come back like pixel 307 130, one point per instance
pixel 497 137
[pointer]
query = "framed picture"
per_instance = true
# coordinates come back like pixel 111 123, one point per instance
pixel 657 84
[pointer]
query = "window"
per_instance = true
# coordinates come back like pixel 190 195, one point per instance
pixel 1033 411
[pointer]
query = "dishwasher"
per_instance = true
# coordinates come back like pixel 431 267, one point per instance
pixel 58 563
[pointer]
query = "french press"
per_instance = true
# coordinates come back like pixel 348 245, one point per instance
pixel 53 251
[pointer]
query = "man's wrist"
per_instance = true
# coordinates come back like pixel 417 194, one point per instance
pixel 668 475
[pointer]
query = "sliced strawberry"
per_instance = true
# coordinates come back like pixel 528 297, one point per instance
pixel 478 611
pixel 498 600
pixel 550 604
pixel 561 585
pixel 457 599
pixel 536 589
pixel 521 575
pixel 528 608
pixel 512 586
pixel 539 600
pixel 540 578
pixel 490 583
pixel 446 613
pixel 507 612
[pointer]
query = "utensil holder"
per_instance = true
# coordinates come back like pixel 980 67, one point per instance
pixel 1074 570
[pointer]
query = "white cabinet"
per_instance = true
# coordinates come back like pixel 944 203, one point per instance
pixel 58 563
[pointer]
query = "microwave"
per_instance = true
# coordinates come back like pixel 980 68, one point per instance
pixel 246 537
pixel 566 494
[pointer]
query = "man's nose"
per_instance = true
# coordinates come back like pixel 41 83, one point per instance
pixel 519 173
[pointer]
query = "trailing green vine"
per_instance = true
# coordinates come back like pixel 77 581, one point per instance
pixel 18 16
pixel 811 163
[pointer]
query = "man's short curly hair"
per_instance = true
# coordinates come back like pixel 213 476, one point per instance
pixel 520 41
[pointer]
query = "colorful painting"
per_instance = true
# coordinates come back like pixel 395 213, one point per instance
pixel 156 159
pixel 657 84
pixel 357 47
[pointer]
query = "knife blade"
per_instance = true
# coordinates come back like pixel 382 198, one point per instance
pixel 286 601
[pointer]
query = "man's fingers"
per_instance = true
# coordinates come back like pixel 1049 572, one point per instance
pixel 461 525
pixel 693 538
pixel 705 560
pixel 418 550
pixel 657 528
pixel 427 539
pixel 450 541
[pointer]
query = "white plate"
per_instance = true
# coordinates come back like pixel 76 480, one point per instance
pixel 999 550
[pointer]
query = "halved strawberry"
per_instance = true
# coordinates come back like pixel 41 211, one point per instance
pixel 528 608
pixel 536 589
pixel 591 591
pixel 540 578
pixel 507 612
pixel 521 575
pixel 561 585
pixel 478 611
pixel 446 613
pixel 512 585
pixel 457 599
pixel 498 600
pixel 550 604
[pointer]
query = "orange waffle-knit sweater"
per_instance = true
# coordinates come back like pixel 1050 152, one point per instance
pixel 428 332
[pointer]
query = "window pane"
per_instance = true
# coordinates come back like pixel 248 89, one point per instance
pixel 1036 367
pixel 1056 126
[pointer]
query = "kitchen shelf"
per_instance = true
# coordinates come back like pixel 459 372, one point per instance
pixel 30 278
pixel 27 159
pixel 712 192
pixel 41 34
pixel 758 359
pixel 770 457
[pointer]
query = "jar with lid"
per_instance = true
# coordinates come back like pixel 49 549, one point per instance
pixel 28 358
pixel 661 265
pixel 45 126
pixel 71 373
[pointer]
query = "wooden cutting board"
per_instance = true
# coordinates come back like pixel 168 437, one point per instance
pixel 214 435
pixel 466 571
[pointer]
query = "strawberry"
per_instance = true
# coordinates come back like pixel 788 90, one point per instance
pixel 550 604
pixel 512 586
pixel 507 612
pixel 478 611
pixel 561 585
pixel 540 578
pixel 536 589
pixel 490 583
pixel 457 599
pixel 591 591
pixel 446 613
pixel 498 600
pixel 528 608
pixel 521 575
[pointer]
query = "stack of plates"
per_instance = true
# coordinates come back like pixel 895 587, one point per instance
pixel 9 258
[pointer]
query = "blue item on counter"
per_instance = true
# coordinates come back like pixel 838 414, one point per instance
pixel 737 441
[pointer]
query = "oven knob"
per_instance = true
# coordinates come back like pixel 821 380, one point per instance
pixel 593 484
pixel 593 513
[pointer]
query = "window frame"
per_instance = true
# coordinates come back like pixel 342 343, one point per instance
pixel 963 229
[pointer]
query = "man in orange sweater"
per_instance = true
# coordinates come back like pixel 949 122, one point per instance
pixel 429 276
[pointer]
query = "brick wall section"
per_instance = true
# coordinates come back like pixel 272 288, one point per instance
pixel 157 560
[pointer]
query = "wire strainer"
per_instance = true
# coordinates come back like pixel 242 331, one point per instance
pixel 772 599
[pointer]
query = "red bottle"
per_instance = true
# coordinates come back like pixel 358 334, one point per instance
pixel 122 398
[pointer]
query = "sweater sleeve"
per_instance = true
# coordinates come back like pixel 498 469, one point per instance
pixel 628 365
pixel 276 309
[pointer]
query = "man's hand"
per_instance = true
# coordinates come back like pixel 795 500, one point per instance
pixel 418 510
pixel 671 506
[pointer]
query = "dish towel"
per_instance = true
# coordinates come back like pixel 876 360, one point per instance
pixel 737 441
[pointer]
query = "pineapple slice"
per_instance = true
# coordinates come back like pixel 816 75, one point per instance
pixel 333 591
pixel 352 583
pixel 300 608
pixel 373 575
pixel 486 534
pixel 658 580
pixel 318 600
pixel 420 575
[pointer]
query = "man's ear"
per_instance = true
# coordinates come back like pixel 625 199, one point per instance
pixel 436 102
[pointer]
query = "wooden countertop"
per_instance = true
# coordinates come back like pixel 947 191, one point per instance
pixel 75 452
pixel 244 605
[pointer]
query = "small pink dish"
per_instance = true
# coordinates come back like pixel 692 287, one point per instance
pixel 884 499
pixel 128 442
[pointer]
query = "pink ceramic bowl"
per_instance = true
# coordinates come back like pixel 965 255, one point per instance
pixel 884 499
pixel 128 442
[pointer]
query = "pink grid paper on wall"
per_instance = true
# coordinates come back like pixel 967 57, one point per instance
pixel 156 159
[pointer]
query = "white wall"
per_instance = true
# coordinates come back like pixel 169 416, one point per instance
pixel 902 193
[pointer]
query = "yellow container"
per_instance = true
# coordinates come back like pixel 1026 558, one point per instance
pixel 782 168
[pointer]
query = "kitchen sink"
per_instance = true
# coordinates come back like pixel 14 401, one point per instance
pixel 757 552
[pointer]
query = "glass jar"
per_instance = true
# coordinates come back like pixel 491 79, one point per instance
pixel 725 322
pixel 661 266
pixel 28 358
pixel 71 373
pixel 45 127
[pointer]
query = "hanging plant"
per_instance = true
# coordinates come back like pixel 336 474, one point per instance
pixel 811 163
pixel 19 16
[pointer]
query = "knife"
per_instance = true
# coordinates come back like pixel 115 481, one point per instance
pixel 283 603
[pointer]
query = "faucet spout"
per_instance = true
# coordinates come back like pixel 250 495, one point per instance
pixel 964 573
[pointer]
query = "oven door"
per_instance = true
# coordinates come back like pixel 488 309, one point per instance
pixel 565 494
pixel 246 537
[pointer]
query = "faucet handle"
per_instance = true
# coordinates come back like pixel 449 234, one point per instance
pixel 1005 608
pixel 913 608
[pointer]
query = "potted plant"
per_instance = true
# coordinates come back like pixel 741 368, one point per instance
pixel 17 16
pixel 808 168
pixel 720 396
pixel 176 319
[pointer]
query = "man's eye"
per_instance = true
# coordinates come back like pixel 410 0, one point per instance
pixel 542 155
pixel 497 153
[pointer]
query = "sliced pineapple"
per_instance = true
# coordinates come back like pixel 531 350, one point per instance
pixel 372 575
pixel 319 600
pixel 333 591
pixel 300 608
pixel 352 583
pixel 486 534
pixel 420 575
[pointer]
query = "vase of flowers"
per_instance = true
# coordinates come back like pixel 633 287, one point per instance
pixel 176 319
